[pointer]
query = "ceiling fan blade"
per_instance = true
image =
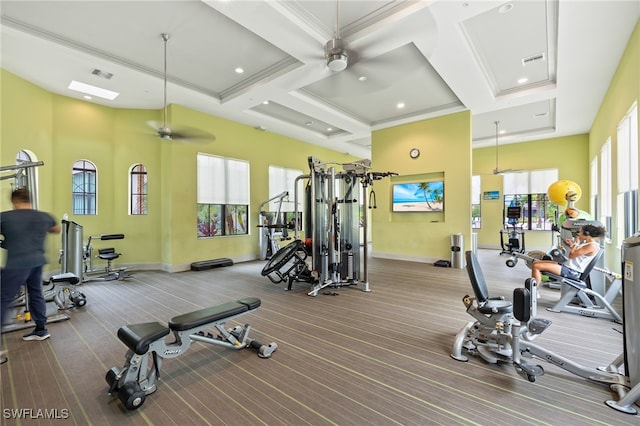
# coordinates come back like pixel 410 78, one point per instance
pixel 497 171
pixel 192 135
pixel 184 133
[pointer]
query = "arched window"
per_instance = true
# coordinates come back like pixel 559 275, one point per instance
pixel 138 190
pixel 26 174
pixel 21 178
pixel 84 183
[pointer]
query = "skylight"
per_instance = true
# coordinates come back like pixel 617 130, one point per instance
pixel 93 90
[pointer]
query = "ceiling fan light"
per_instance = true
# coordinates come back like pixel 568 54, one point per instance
pixel 338 62
pixel 164 133
pixel 337 58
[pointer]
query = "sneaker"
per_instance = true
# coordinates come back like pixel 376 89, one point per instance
pixel 37 335
pixel 3 357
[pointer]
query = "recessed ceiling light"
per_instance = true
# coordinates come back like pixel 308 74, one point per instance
pixel 308 123
pixel 87 97
pixel 502 132
pixel 400 105
pixel 329 129
pixel 522 80
pixel 265 102
pixel 362 78
pixel 93 90
pixel 239 70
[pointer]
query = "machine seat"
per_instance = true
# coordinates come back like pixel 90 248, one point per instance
pixel 108 253
pixel 486 305
pixel 583 281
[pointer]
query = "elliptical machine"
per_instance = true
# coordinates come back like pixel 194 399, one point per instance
pixel 512 240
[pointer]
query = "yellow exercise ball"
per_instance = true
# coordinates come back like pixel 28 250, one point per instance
pixel 558 190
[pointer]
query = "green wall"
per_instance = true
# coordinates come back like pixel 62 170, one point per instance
pixel 445 146
pixel 622 92
pixel 570 155
pixel 60 130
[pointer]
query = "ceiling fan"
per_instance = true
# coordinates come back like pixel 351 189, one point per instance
pixel 335 50
pixel 163 129
pixel 357 73
pixel 498 170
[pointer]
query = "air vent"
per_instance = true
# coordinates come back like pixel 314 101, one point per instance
pixel 531 59
pixel 102 74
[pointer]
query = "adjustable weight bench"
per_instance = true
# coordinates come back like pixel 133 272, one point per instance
pixel 147 346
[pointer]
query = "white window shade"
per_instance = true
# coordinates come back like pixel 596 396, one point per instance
pixel 540 180
pixel 594 177
pixel 627 135
pixel 532 182
pixel 475 189
pixel 211 179
pixel 623 156
pixel 605 181
pixel 282 179
pixel 237 182
pixel 516 183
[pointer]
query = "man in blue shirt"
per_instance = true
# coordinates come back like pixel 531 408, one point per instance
pixel 24 230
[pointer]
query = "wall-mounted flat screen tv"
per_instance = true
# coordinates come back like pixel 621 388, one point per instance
pixel 418 197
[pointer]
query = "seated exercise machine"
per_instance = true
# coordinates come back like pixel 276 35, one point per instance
pixel 577 296
pixel 77 257
pixel 109 254
pixel 588 295
pixel 60 295
pixel 504 332
pixel 147 346
pixel 272 226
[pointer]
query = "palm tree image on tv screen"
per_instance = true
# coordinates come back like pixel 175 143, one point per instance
pixel 418 197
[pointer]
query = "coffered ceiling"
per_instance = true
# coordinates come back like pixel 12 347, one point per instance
pixel 539 67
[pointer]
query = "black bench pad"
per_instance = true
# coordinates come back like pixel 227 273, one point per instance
pixel 67 277
pixel 138 337
pixel 213 314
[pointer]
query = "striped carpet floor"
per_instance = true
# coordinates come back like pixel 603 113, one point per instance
pixel 345 358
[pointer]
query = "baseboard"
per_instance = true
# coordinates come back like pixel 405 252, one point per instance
pixel 404 257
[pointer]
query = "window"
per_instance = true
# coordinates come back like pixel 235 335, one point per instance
pixel 284 180
pixel 222 196
pixel 528 190
pixel 605 186
pixel 595 202
pixel 21 178
pixel 627 201
pixel 475 202
pixel 138 190
pixel 84 190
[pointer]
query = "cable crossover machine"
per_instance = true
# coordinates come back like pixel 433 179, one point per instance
pixel 334 227
pixel 60 292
